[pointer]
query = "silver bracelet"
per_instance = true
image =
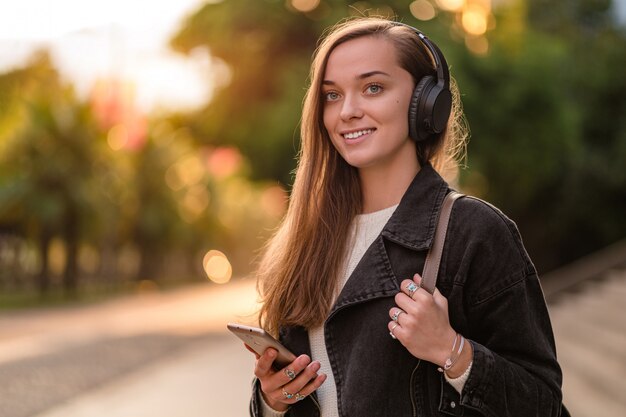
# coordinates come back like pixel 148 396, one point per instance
pixel 454 356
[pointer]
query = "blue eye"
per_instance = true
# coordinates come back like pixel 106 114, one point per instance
pixel 374 88
pixel 331 96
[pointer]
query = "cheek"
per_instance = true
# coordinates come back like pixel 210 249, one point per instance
pixel 327 118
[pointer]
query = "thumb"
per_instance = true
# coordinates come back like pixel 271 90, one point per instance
pixel 417 278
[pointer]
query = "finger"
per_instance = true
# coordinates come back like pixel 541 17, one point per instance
pixel 409 287
pixel 309 373
pixel 417 278
pixel 295 368
pixel 286 392
pixel 263 365
pixel 252 350
pixel 273 384
pixel 395 313
pixel 393 328
pixel 309 388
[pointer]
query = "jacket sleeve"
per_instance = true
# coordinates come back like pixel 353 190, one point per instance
pixel 515 371
pixel 255 406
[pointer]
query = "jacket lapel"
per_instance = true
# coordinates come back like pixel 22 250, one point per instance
pixel 412 225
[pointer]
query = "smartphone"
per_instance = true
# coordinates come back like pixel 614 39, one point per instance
pixel 259 340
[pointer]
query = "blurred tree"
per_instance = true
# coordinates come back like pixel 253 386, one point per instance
pixel 547 131
pixel 549 147
pixel 45 181
pixel 267 52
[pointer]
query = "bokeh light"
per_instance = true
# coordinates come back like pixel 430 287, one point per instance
pixel 423 10
pixel 224 161
pixel 217 267
pixel 450 5
pixel 274 201
pixel 474 20
pixel 478 45
pixel 305 5
pixel 117 137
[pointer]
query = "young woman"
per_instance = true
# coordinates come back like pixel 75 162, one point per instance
pixel 340 280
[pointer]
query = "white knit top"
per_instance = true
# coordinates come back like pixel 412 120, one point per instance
pixel 364 230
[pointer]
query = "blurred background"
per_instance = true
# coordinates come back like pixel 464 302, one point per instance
pixel 147 152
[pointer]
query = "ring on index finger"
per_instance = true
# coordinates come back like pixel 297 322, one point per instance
pixel 396 314
pixel 290 374
pixel 411 288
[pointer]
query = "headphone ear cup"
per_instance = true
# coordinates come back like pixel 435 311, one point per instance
pixel 417 130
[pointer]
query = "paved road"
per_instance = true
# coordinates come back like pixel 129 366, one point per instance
pixel 157 355
pixel 168 355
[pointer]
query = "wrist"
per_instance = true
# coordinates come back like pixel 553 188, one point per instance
pixel 274 405
pixel 462 363
pixel 449 343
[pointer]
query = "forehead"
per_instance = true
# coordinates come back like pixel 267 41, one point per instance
pixel 361 55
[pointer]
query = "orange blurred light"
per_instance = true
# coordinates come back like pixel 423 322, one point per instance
pixel 422 10
pixel 217 267
pixel 224 162
pixel 117 137
pixel 474 20
pixel 478 45
pixel 274 201
pixel 450 5
pixel 190 170
pixel 195 201
pixel 305 5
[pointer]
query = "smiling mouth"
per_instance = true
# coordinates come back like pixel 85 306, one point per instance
pixel 357 134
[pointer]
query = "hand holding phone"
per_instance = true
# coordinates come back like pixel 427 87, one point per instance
pixel 292 378
pixel 259 340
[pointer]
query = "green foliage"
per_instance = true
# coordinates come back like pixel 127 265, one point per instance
pixel 545 106
pixel 548 133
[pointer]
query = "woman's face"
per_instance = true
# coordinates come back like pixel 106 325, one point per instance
pixel 366 100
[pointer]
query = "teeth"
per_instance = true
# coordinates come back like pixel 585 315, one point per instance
pixel 354 135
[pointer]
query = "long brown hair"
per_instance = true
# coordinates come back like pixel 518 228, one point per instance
pixel 297 275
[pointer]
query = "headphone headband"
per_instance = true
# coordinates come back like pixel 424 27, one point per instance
pixel 441 66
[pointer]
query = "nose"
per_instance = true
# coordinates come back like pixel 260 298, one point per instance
pixel 351 108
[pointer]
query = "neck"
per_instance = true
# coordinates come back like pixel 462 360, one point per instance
pixel 381 189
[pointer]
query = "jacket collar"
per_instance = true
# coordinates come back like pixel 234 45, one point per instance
pixel 413 223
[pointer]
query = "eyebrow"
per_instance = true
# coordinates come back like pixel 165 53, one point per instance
pixel 359 77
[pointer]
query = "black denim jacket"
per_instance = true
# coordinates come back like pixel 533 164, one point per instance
pixel 495 300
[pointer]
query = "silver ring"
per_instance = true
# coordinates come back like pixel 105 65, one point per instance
pixel 411 288
pixel 290 374
pixel 397 313
pixel 287 395
pixel 393 336
pixel 300 397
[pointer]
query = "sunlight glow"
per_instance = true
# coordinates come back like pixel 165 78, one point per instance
pixel 91 40
pixel 478 45
pixel 217 267
pixel 474 20
pixel 305 5
pixel 224 161
pixel 422 10
pixel 450 5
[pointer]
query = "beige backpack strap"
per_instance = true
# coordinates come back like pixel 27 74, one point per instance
pixel 433 259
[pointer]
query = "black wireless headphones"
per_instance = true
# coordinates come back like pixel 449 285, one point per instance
pixel 431 101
